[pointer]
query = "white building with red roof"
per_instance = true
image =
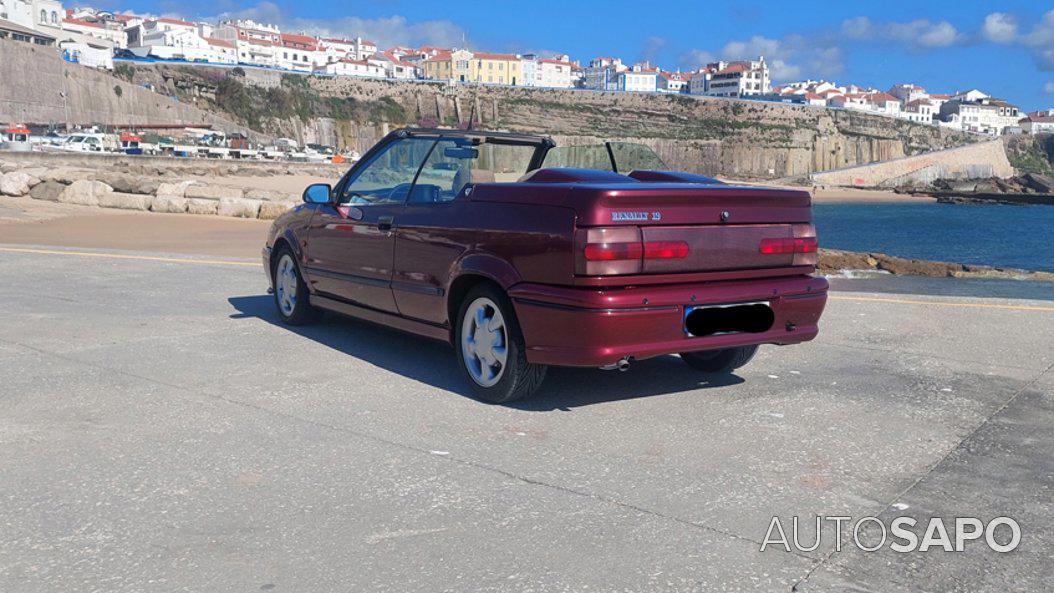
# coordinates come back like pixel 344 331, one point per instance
pixel 555 73
pixel 920 111
pixel 1038 122
pixel 672 82
pixel 390 60
pixel 174 39
pixel 739 79
pixel 257 44
pixel 641 78
pixel 349 67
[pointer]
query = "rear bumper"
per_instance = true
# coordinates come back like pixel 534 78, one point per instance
pixel 595 327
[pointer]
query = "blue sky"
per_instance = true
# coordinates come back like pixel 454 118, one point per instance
pixel 1004 48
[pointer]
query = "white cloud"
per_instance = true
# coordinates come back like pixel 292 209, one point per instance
pixel 999 27
pixel 1043 32
pixel 386 31
pixel 791 57
pixel 695 58
pixel 652 46
pixel 918 34
pixel 1049 88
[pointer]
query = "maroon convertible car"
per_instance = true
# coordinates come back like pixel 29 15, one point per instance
pixel 524 255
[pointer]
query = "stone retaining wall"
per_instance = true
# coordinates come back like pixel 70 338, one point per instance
pixel 973 161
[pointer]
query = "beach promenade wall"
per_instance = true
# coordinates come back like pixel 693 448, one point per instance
pixel 973 161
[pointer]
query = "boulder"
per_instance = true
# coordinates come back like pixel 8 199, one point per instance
pixel 988 186
pixel 239 207
pixel 17 183
pixel 173 190
pixel 124 201
pixel 168 204
pixel 916 267
pixel 129 184
pixel 66 175
pixel 47 190
pixel 965 186
pixel 213 192
pixel 84 191
pixel 836 260
pixel 270 195
pixel 1043 184
pixel 199 206
pixel 272 210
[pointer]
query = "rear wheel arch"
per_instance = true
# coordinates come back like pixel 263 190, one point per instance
pixel 459 289
pixel 473 269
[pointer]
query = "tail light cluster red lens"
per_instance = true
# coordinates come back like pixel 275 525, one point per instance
pixel 788 245
pixel 608 251
pixel 802 245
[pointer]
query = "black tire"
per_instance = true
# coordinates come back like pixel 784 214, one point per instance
pixel 519 378
pixel 302 312
pixel 720 361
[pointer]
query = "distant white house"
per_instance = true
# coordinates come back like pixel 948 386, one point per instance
pixel 86 55
pixel 673 82
pixel 555 73
pixel 349 67
pixel 641 79
pixel 1038 122
pixel 393 66
pixel 919 111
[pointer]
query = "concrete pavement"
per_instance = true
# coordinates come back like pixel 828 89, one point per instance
pixel 162 432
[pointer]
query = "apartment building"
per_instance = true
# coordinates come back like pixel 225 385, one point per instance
pixel 672 82
pixel 556 73
pixel 738 79
pixel 920 111
pixel 1038 122
pixel 601 75
pixel 985 115
pixel 640 79
pixel 462 65
pixel 349 67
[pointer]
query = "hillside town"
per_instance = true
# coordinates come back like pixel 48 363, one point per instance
pixel 96 38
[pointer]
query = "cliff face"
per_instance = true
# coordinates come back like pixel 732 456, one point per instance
pixel 38 87
pixel 740 139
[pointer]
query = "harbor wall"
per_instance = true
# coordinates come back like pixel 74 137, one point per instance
pixel 974 161
pixel 37 86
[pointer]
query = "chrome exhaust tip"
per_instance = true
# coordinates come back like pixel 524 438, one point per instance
pixel 622 365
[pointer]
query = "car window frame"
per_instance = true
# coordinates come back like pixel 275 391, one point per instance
pixel 369 158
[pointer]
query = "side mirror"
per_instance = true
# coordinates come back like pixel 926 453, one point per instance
pixel 318 193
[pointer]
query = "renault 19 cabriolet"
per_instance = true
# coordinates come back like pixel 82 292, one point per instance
pixel 525 255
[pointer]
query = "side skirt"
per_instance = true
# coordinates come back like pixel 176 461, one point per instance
pixel 379 317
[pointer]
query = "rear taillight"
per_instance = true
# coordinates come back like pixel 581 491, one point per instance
pixel 788 245
pixel 613 251
pixel 665 250
pixel 609 251
pixel 802 246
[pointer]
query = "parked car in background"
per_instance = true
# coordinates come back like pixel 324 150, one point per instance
pixel 507 247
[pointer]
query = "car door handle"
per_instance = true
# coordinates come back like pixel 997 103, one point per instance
pixel 384 223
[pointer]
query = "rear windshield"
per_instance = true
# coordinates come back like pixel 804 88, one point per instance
pixel 620 157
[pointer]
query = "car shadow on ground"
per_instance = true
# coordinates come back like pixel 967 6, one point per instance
pixel 433 363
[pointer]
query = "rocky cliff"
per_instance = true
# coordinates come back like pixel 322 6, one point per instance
pixel 740 139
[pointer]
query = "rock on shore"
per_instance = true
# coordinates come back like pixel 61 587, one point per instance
pixel 156 186
pixel 834 261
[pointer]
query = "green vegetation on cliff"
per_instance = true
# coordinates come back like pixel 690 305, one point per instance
pixel 1031 154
